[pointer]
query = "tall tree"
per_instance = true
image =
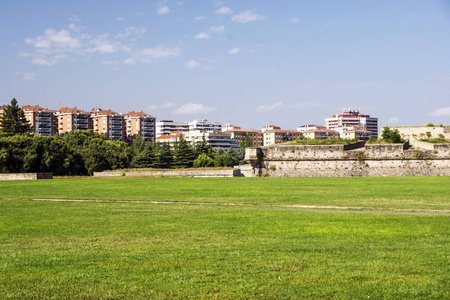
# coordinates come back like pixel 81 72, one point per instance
pixel 13 120
pixel 184 154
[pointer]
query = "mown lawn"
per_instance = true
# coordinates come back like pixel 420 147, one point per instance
pixel 111 250
pixel 369 192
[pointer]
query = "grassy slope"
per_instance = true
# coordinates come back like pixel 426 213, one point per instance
pixel 68 250
pixel 377 192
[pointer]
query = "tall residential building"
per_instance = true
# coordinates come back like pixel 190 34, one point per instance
pixel 270 127
pixel 108 123
pixel 41 119
pixel 276 136
pixel 204 125
pixel 72 119
pixel 166 127
pixel 139 123
pixel 353 119
pixel 214 139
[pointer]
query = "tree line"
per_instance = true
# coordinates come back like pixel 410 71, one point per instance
pixel 85 152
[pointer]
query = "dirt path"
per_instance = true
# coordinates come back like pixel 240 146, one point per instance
pixel 400 210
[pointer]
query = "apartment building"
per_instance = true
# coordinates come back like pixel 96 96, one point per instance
pixel 166 127
pixel 240 134
pixel 214 139
pixel 270 127
pixel 204 125
pixel 353 118
pixel 108 123
pixel 305 128
pixel 353 134
pixel 41 119
pixel 171 138
pixel 139 123
pixel 321 134
pixel 276 136
pixel 72 119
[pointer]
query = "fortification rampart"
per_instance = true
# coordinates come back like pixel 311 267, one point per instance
pixel 336 161
pixel 25 176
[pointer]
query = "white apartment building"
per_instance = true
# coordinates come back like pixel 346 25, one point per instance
pixel 353 119
pixel 204 125
pixel 305 128
pixel 166 127
pixel 214 139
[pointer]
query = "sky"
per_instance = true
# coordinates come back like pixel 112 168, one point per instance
pixel 246 62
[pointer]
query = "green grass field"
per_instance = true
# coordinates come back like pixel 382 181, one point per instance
pixel 394 246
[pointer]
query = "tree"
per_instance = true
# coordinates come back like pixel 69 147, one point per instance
pixel 391 135
pixel 203 161
pixel 223 160
pixel 246 142
pixel 184 154
pixel 13 120
pixel 164 157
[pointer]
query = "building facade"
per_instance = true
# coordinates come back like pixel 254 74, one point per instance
pixel 351 119
pixel 305 128
pixel 139 123
pixel 276 136
pixel 108 123
pixel 321 134
pixel 240 134
pixel 41 119
pixel 72 119
pixel 204 125
pixel 166 127
pixel 214 139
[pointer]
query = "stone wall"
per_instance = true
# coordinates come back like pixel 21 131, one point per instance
pixel 174 173
pixel 25 176
pixel 334 161
pixel 416 133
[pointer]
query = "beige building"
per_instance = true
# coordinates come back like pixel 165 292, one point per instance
pixel 276 136
pixel 356 134
pixel 240 134
pixel 108 123
pixel 321 134
pixel 221 140
pixel 72 119
pixel 41 119
pixel 171 138
pixel 140 123
pixel 304 128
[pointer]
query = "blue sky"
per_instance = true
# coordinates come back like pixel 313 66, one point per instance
pixel 247 62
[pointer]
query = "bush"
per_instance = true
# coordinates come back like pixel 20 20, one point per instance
pixel 203 161
pixel 223 160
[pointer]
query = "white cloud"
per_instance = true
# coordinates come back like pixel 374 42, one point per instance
pixel 53 38
pixel 247 16
pixel 267 108
pixel 151 55
pixel 441 112
pixel 294 20
pixel 129 61
pixel 199 18
pixel 223 10
pixel 133 33
pixel 119 19
pixel 193 108
pixel 76 28
pixel 49 62
pixel 202 36
pixel 233 50
pixel 217 29
pixel 393 120
pixel 102 44
pixel 111 62
pixel 166 105
pixel 164 10
pixel 192 64
pixel 29 76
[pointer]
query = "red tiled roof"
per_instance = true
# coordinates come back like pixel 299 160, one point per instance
pixel 133 114
pixel 71 110
pixel 36 108
pixel 169 136
pixel 105 112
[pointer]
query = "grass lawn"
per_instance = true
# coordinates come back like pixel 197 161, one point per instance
pixel 397 246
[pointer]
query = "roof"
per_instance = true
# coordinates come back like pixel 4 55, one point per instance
pixel 320 130
pixel 242 130
pixel 312 125
pixel 71 110
pixel 133 114
pixel 101 112
pixel 284 130
pixel 34 108
pixel 174 134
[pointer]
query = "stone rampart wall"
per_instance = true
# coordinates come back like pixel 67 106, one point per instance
pixel 416 133
pixel 174 173
pixel 25 176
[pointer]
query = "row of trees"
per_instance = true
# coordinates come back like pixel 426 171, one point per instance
pixel 85 152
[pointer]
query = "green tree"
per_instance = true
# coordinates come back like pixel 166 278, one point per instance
pixel 184 154
pixel 246 142
pixel 164 157
pixel 223 160
pixel 203 161
pixel 13 120
pixel 203 148
pixel 391 135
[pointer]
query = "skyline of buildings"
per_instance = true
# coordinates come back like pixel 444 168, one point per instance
pixel 125 127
